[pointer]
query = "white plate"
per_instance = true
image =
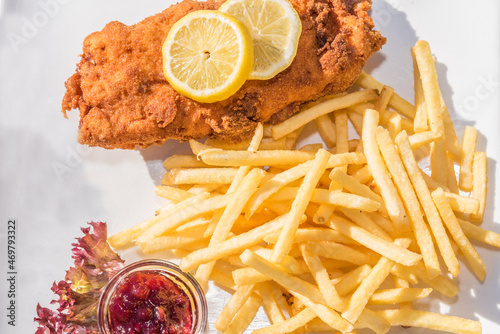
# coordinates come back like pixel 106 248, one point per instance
pixel 52 186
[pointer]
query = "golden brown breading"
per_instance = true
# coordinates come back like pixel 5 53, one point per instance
pixel 125 101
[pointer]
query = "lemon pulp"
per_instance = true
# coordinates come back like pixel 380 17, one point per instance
pixel 275 28
pixel 207 55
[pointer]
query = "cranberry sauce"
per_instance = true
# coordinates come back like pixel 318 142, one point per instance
pixel 148 302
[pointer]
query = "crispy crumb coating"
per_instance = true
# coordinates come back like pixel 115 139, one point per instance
pixel 125 101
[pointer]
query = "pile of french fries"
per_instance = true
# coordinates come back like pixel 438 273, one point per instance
pixel 319 235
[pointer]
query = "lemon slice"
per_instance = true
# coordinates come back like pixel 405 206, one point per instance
pixel 207 55
pixel 275 28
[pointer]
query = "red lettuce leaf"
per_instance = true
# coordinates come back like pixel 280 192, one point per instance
pixel 95 263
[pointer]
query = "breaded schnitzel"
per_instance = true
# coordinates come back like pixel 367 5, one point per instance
pixel 125 100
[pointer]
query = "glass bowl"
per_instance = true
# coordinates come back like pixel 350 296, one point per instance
pixel 186 282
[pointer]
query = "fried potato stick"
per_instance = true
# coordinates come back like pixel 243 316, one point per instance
pixel 304 195
pixel 457 233
pixel 479 184
pixel 402 181
pixel 232 246
pixel 425 199
pixel 305 116
pixel 434 321
pixel 393 203
pixel 365 290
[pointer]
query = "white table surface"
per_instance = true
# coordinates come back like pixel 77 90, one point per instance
pixel 52 186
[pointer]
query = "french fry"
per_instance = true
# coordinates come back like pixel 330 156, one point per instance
pixel 274 184
pixel 439 283
pixel 439 163
pixel 397 102
pixel 341 131
pixel 197 147
pixel 183 161
pixel 386 249
pixel 428 320
pixel 402 272
pixel 326 130
pixel 173 194
pixel 380 174
pixel 377 275
pixel 312 234
pixel 479 183
pixel 341 252
pixel 176 240
pixel 430 86
pixel 305 116
pixel 166 222
pixel 480 234
pixel 329 316
pixel 367 319
pixel 323 281
pixel 361 107
pixel 364 221
pixel 199 176
pixel 289 263
pixel 304 195
pixel 231 212
pixel 203 188
pixel 223 280
pixel 467 158
pixel 407 125
pixel 256 138
pixel 282 277
pixel 225 145
pixel 398 295
pixel 425 199
pixel 350 281
pixel 420 139
pixel 271 306
pixel 363 175
pixel 248 276
pixel 242 172
pixel 457 233
pixel 234 304
pixel 259 158
pixel 325 211
pixel 335 198
pixel 123 238
pixel 462 203
pixel 452 177
pixel 402 181
pixel 291 138
pixel 382 102
pixel 232 245
pixel 383 222
pixel 432 96
pixel 451 136
pixel 401 283
pixel 297 321
pixel 371 320
pixel 311 147
pixel 268 144
pixel 394 125
pixel 431 183
pixel 245 315
pixel 354 186
pixel 356 121
pixel 420 123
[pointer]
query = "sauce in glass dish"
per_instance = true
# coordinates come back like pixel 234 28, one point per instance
pixel 149 302
pixel 152 297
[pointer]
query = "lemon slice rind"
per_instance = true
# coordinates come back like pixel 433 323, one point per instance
pixel 207 55
pixel 275 28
